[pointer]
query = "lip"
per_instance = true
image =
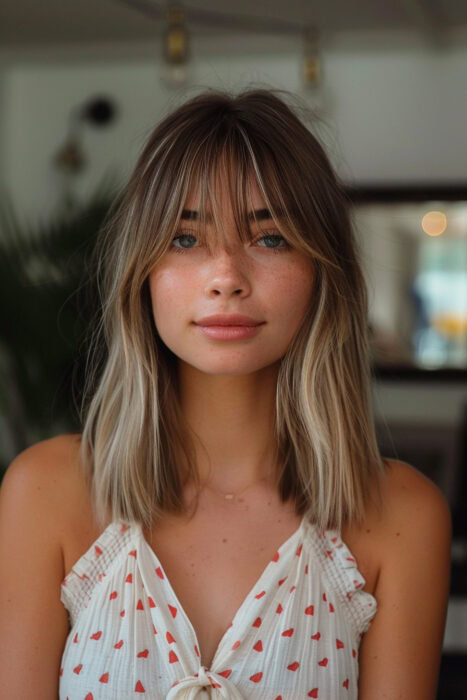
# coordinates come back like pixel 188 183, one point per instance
pixel 228 320
pixel 230 332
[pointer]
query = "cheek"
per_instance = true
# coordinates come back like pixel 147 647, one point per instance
pixel 168 290
pixel 293 288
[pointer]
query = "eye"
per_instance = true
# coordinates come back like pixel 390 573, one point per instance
pixel 274 237
pixel 271 236
pixel 181 236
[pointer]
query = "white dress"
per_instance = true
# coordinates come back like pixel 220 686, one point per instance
pixel 296 634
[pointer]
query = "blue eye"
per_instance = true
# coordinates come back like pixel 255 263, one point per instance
pixel 182 249
pixel 267 236
pixel 273 236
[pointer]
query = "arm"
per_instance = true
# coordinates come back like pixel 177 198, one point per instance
pixel 34 622
pixel 401 652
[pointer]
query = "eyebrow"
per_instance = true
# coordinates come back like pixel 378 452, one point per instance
pixel 260 214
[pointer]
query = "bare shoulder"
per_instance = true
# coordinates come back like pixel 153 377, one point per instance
pixel 413 536
pixel 46 456
pixel 54 460
pixel 44 477
pixel 414 513
pixel 34 496
pixel 412 501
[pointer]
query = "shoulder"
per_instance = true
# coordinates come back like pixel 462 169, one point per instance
pixel 34 506
pixel 415 515
pixel 50 461
pixel 412 500
pixel 414 533
pixel 44 454
pixel 44 476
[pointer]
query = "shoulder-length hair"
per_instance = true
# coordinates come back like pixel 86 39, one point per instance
pixel 136 450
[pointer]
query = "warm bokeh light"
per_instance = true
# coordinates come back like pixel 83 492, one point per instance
pixel 434 223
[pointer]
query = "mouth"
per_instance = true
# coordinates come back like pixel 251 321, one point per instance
pixel 230 332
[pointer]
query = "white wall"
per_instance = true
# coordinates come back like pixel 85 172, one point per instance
pixel 393 111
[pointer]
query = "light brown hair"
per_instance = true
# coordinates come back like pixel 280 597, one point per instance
pixel 137 452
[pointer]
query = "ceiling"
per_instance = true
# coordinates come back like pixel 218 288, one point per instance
pixel 28 22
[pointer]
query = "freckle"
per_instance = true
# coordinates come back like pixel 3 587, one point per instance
pixel 397 534
pixel 368 530
pixel 224 539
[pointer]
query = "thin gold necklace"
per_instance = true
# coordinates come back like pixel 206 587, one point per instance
pixel 233 496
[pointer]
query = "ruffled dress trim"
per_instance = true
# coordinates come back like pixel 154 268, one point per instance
pixel 339 566
pixel 77 586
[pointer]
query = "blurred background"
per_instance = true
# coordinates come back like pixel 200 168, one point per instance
pixel 83 84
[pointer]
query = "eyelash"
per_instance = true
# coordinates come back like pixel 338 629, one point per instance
pixel 266 235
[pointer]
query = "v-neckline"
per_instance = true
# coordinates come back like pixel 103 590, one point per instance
pixel 240 609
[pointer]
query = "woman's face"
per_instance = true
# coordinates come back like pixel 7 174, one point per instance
pixel 264 278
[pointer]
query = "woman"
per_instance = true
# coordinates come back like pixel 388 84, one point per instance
pixel 225 526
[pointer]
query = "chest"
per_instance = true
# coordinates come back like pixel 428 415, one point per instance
pixel 213 569
pixel 214 561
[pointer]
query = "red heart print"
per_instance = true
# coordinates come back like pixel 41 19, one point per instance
pixel 226 674
pixel 104 678
pixel 294 666
pixel 310 610
pixel 323 662
pixel 256 677
pixel 313 693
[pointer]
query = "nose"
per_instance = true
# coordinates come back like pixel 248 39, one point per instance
pixel 227 276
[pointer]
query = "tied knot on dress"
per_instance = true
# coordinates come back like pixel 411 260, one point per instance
pixel 204 685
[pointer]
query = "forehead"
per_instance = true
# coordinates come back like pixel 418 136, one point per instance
pixel 255 203
pixel 222 195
